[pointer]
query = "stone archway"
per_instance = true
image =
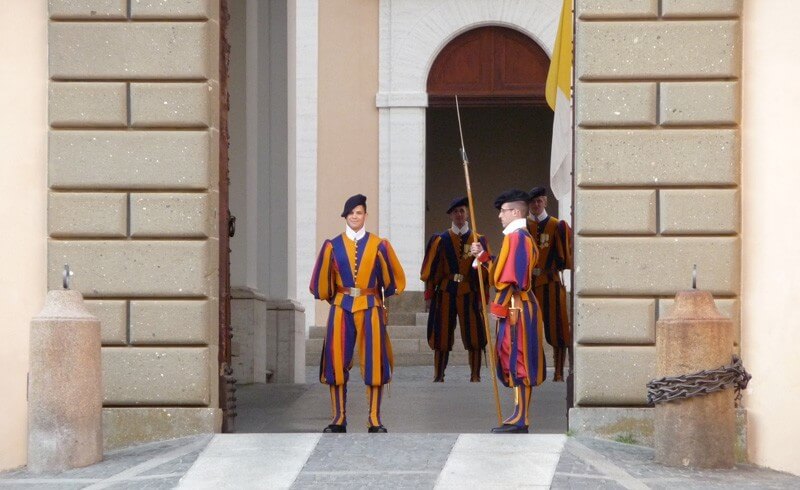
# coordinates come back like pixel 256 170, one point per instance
pixel 409 43
pixel 499 75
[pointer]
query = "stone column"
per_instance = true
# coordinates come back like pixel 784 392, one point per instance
pixel 65 393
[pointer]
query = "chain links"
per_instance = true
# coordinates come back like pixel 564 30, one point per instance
pixel 672 388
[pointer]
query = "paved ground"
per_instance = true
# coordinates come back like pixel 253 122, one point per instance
pixel 376 461
pixel 147 466
pixel 421 451
pixel 413 404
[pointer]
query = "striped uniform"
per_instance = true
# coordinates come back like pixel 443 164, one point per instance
pixel 371 264
pixel 521 363
pixel 554 239
pixel 446 258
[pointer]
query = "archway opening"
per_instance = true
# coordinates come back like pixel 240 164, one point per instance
pixel 499 75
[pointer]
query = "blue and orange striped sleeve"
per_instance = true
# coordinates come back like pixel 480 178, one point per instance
pixel 323 280
pixel 392 275
pixel 430 265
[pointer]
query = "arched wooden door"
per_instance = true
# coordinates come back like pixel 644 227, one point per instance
pixel 489 66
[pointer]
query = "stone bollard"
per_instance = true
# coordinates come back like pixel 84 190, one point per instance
pixel 65 397
pixel 697 432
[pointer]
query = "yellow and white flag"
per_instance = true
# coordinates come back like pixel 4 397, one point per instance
pixel 558 94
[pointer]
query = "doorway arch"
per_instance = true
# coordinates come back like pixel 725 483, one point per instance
pixel 489 66
pixel 409 45
pixel 499 75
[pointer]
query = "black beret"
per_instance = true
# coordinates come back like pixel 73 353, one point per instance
pixel 459 201
pixel 512 195
pixel 537 192
pixel 352 202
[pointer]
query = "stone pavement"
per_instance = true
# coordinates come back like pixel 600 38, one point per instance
pixel 375 461
pixel 413 404
pixel 423 450
pixel 391 461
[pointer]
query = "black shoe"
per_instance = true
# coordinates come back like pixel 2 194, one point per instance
pixel 510 429
pixel 377 429
pixel 335 429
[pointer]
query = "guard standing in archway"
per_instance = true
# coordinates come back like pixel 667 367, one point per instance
pixel 452 292
pixel 554 239
pixel 520 356
pixel 355 272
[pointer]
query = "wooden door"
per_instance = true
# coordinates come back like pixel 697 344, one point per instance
pixel 489 66
pixel 227 383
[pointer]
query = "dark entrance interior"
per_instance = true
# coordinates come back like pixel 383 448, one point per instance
pixel 508 146
pixel 499 75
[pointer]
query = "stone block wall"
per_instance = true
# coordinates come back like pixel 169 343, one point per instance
pixel 133 199
pixel 657 109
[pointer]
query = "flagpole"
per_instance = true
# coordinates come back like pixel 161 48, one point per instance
pixel 480 271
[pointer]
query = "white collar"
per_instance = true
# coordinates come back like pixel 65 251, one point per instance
pixel 355 235
pixel 514 226
pixel 539 218
pixel 459 231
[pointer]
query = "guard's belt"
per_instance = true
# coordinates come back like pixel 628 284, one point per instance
pixel 356 292
pixel 456 277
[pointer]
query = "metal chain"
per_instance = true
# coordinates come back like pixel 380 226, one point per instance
pixel 705 382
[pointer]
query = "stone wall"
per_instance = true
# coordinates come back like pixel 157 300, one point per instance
pixel 133 199
pixel 657 177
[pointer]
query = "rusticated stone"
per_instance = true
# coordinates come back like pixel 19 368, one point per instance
pixel 616 212
pixel 617 9
pixel 126 426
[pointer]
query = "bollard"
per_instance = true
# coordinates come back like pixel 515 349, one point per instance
pixel 697 432
pixel 65 398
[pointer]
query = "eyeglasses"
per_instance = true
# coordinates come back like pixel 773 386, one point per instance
pixel 506 209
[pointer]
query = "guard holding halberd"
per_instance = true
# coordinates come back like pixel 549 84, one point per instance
pixel 521 363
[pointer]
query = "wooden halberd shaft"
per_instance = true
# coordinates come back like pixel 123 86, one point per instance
pixel 482 291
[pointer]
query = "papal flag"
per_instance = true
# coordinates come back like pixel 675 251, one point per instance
pixel 558 94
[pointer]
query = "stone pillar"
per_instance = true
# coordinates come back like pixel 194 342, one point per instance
pixel 696 432
pixel 286 334
pixel 65 394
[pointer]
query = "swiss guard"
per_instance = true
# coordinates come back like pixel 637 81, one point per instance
pixel 355 272
pixel 554 239
pixel 452 292
pixel 520 356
